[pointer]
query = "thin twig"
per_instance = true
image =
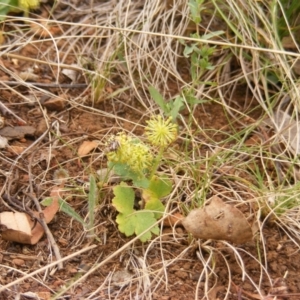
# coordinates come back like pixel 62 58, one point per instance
pixel 6 110
pixel 45 226
pixel 13 202
pixel 45 85
pixel 41 214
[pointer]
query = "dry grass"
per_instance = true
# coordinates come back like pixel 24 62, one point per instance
pixel 138 44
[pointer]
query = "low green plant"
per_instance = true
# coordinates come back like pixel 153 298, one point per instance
pixel 196 6
pixel 100 74
pixel 64 207
pixel 137 163
pixel 200 56
pixel 173 107
pixel 287 17
pixel 7 6
pixel 92 203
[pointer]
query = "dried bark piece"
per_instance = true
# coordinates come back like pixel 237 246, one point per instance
pixel 218 221
pixel 16 226
pixel 19 227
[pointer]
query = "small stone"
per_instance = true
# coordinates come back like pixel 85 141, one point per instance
pixel 17 132
pixel 121 278
pixel 181 274
pixel 179 230
pixel 41 127
pixel 187 266
pixel 57 103
pixel 73 270
pixel 58 283
pixel 18 262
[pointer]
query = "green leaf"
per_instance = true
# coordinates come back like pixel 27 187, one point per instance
pixel 121 169
pixel 129 220
pixel 138 222
pixel 5 7
pixel 154 205
pixel 212 34
pixel 92 202
pixel 161 187
pixel 191 99
pixel 206 51
pixel 195 9
pixel 145 220
pixel 127 223
pixel 124 198
pixel 139 182
pixel 188 50
pixel 93 191
pixel 64 207
pixel 158 188
pixel 178 104
pixel 158 98
pixel 5 3
pixel 47 201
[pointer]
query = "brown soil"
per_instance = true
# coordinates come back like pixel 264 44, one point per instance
pixel 174 262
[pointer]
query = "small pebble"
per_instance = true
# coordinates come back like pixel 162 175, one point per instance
pixel 57 103
pixel 18 262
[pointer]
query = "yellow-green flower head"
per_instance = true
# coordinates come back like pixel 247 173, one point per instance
pixel 161 132
pixel 29 4
pixel 132 152
pixel 140 158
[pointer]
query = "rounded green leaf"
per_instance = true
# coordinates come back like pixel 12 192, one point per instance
pixel 161 187
pixel 124 198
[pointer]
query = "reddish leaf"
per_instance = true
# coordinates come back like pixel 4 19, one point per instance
pixel 86 147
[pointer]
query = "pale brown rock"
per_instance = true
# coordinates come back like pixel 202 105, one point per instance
pixel 218 221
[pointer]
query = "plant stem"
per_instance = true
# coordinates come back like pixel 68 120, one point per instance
pixel 157 162
pixel 92 204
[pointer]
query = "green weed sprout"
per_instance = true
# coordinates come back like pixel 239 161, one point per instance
pixel 138 162
pixel 60 178
pixel 7 6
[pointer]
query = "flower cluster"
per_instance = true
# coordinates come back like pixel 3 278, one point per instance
pixel 127 150
pixel 136 155
pixel 29 4
pixel 161 132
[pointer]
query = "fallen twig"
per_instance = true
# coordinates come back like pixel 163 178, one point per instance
pixel 6 110
pixel 41 215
